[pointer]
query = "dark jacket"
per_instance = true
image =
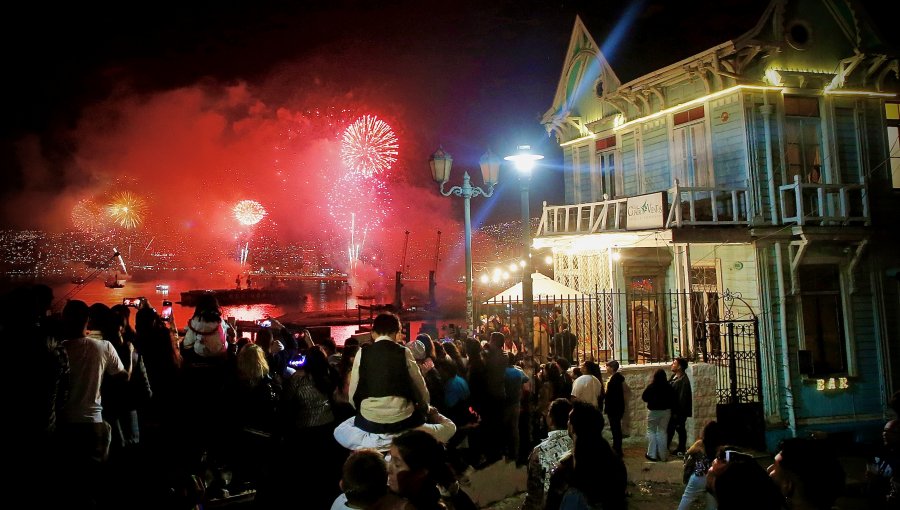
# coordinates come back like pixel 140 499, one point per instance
pixel 615 395
pixel 383 372
pixel 659 397
pixel 564 344
pixel 684 402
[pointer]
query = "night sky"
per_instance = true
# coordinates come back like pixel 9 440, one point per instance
pixel 195 105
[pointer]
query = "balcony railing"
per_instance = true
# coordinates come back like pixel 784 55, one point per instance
pixel 703 205
pixel 689 206
pixel 591 218
pixel 824 204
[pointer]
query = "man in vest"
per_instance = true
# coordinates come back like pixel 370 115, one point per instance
pixel 386 387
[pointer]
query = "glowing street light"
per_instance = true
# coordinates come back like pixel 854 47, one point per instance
pixel 525 161
pixel 440 163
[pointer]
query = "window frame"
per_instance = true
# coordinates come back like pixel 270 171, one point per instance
pixel 849 344
pixel 893 155
pixel 692 133
pixel 801 121
pixel 614 184
pixel 578 174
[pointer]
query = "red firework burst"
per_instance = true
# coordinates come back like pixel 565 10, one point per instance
pixel 88 216
pixel 369 146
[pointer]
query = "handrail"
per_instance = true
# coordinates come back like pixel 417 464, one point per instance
pixel 708 205
pixel 827 202
pixel 588 218
pixel 708 199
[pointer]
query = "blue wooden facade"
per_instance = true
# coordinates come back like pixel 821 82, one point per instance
pixel 772 155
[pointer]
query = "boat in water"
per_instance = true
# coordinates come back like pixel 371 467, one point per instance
pixel 269 295
pixel 115 282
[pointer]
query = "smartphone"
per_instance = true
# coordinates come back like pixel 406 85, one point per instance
pixel 297 362
pixel 264 323
pixel 166 313
pixel 132 301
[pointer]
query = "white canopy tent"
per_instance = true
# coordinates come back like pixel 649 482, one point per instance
pixel 544 289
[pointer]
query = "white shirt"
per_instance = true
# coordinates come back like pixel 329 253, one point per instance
pixel 89 359
pixel 340 503
pixel 587 388
pixel 352 437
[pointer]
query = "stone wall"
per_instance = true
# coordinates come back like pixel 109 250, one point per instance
pixel 703 386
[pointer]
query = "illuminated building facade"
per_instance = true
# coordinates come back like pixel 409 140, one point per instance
pixel 735 206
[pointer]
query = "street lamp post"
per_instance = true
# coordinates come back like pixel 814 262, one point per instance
pixel 440 163
pixel 525 162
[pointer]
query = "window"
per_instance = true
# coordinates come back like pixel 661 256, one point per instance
pixel 823 318
pixel 705 309
pixel 691 157
pixel 892 114
pixel 581 174
pixel 608 179
pixel 803 139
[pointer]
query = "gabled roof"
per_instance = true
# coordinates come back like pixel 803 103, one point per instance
pixel 646 39
pixel 649 35
pixel 581 43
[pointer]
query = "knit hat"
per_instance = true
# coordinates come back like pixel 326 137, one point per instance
pixel 427 344
pixel 418 349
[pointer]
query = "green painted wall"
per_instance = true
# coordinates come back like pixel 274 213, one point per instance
pixel 629 163
pixel 729 143
pixel 655 144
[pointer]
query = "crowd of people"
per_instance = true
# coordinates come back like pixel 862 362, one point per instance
pixel 148 416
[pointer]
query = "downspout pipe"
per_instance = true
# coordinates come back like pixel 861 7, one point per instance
pixel 766 110
pixel 785 353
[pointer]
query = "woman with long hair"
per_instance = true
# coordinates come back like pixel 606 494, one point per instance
pixel 252 406
pixel 660 397
pixel 453 353
pixel 697 461
pixel 342 407
pixel 419 472
pixel 592 476
pixel 309 422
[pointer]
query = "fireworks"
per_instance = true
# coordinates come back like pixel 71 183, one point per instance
pixel 369 146
pixel 126 209
pixel 358 207
pixel 88 216
pixel 249 212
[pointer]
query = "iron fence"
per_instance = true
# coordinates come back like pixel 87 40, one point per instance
pixel 634 327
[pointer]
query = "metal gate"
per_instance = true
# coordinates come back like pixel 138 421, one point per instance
pixel 732 346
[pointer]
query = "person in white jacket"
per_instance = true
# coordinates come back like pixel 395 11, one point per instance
pixel 207 333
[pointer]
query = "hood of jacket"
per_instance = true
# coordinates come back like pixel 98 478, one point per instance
pixel 202 327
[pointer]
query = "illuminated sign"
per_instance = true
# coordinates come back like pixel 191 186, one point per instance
pixel 839 383
pixel 645 211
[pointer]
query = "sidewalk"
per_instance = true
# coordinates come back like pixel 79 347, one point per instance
pixel 651 485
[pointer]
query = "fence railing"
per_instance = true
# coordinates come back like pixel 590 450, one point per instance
pixel 633 326
pixel 824 204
